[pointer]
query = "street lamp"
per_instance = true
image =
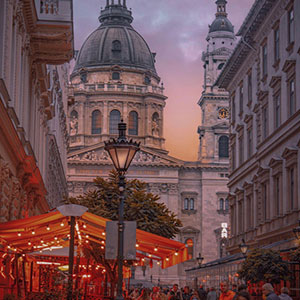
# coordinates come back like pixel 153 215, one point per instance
pixel 121 152
pixel 244 247
pixel 297 231
pixel 200 259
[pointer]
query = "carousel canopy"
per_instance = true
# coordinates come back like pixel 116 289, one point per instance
pixel 52 231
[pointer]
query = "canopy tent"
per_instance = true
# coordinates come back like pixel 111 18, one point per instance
pixel 52 231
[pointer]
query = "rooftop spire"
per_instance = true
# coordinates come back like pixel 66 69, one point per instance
pixel 221 8
pixel 115 12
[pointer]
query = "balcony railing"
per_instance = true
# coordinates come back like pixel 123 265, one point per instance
pixel 119 88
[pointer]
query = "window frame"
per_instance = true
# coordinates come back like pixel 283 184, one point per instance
pixel 94 129
pixel 111 129
pixel 135 122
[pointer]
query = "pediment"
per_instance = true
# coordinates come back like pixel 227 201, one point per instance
pixel 189 229
pixel 97 155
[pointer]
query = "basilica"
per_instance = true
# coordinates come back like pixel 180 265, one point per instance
pixel 115 78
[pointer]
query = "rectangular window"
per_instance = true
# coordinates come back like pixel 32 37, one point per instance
pixel 250 142
pixel 241 150
pixel 277 110
pixel 250 87
pixel 265 60
pixel 249 212
pixel 277 195
pixel 276 45
pixel 292 98
pixel 291 26
pixel 241 98
pixel 292 188
pixel 265 121
pixel 233 109
pixel 233 157
pixel 241 217
pixel 264 200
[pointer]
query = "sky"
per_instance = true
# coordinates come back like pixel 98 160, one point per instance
pixel 176 30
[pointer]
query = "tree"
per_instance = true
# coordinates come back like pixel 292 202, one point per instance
pixel 264 265
pixel 139 206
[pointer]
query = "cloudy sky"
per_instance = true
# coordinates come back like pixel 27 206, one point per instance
pixel 176 30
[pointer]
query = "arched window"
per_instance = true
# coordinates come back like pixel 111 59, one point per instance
pixel 133 127
pixel 192 204
pixel 190 248
pixel 186 203
pixel 114 120
pixel 226 204
pixel 96 122
pixel 223 146
pixel 221 204
pixel 74 114
pixel 220 66
pixel 115 76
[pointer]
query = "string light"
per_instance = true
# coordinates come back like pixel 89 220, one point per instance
pixel 102 247
pixel 158 262
pixel 167 259
pixel 33 232
pixel 55 237
pixel 103 233
pixel 176 253
pixel 137 245
pixel 19 234
pixel 62 224
pixel 155 249
pixel 29 243
pixel 87 236
pixel 103 242
pixel 48 227
pixel 84 226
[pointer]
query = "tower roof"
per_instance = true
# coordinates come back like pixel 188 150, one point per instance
pixel 221 23
pixel 115 42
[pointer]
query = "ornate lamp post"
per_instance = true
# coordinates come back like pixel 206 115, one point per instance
pixel 244 247
pixel 297 232
pixel 121 152
pixel 199 259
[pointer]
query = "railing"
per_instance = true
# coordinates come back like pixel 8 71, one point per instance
pixel 54 10
pixel 119 88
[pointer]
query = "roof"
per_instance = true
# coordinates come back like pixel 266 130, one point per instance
pixel 115 42
pixel 256 16
pixel 52 229
pixel 221 23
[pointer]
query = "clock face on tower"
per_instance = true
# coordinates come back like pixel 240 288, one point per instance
pixel 223 113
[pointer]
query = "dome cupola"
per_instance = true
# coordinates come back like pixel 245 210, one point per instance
pixel 115 42
pixel 221 23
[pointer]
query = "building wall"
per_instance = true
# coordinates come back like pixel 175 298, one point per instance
pixel 28 105
pixel 265 156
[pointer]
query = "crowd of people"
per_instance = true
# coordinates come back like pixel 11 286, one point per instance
pixel 225 293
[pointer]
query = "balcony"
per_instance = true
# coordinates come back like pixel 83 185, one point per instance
pixel 51 30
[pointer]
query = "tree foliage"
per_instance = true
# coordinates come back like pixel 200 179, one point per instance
pixel 264 265
pixel 295 255
pixel 139 206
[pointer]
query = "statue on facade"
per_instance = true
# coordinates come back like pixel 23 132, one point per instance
pixel 155 127
pixel 73 126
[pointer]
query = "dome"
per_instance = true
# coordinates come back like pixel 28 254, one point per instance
pixel 221 23
pixel 115 42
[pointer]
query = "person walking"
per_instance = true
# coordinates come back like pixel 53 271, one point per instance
pixel 285 294
pixel 212 294
pixel 202 293
pixel 174 293
pixel 268 291
pixel 226 294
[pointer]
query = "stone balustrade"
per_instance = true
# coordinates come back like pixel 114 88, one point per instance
pixel 106 87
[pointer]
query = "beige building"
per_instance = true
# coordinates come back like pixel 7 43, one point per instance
pixel 34 36
pixel 115 77
pixel 262 76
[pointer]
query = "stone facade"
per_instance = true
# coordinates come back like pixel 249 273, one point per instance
pixel 111 84
pixel 262 78
pixel 33 135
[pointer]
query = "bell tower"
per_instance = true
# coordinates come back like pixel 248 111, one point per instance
pixel 214 102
